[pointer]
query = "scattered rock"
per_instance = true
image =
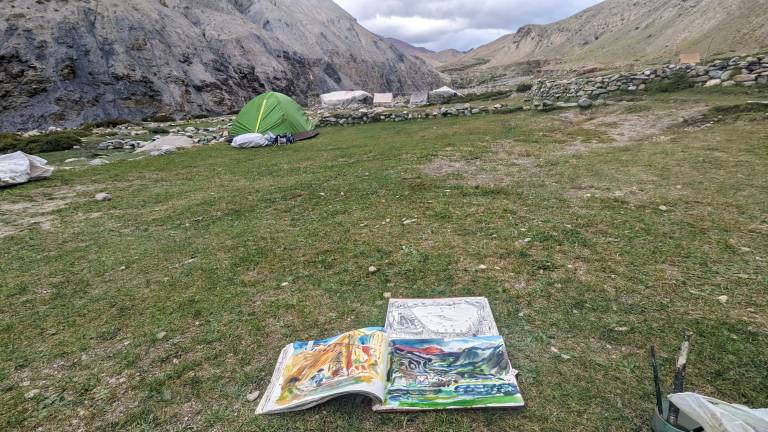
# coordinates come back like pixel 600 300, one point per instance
pixel 663 208
pixel 253 396
pixel 32 393
pixel 373 269
pixel 585 103
pixel 168 144
pixel 387 295
pixel 409 221
pixel 522 243
pixel 103 197
pixel 621 329
pixel 723 299
pixel 98 162
pixel 285 284
pixel 482 267
pixel 161 335
pixel 713 83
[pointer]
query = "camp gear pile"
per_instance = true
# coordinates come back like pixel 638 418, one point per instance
pixel 19 167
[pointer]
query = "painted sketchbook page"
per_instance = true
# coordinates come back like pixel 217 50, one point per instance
pixel 440 318
pixel 435 374
pixel 309 373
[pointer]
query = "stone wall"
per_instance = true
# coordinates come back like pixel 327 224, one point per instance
pixel 365 116
pixel 744 71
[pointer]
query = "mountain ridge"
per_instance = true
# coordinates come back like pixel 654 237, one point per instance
pixel 630 32
pixel 433 58
pixel 66 63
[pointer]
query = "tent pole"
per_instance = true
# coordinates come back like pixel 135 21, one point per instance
pixel 261 115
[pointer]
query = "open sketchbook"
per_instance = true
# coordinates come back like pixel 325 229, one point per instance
pixel 432 354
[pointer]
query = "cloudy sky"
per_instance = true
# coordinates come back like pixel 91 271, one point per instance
pixel 461 24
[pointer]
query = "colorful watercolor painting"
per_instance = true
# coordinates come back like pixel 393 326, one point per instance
pixel 331 365
pixel 450 373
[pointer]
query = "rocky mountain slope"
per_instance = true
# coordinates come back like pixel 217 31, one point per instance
pixel 434 58
pixel 69 62
pixel 631 31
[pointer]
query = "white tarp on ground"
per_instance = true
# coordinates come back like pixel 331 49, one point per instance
pixel 17 168
pixel 168 144
pixel 344 99
pixel 250 140
pixel 442 95
pixel 383 99
pixel 420 98
pixel 718 416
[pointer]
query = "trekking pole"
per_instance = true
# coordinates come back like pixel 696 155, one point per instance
pixel 678 384
pixel 656 381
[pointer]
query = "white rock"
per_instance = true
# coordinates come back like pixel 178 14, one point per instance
pixel 103 197
pixel 482 267
pixel 663 208
pixel 285 284
pixel 723 299
pixel 32 393
pixel 161 335
pixel 98 162
pixel 253 396
pixel 373 269
pixel 167 144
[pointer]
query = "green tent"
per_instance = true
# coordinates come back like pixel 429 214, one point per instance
pixel 276 113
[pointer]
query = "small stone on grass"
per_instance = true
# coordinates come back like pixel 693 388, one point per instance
pixel 373 269
pixel 253 396
pixel 723 299
pixel 103 197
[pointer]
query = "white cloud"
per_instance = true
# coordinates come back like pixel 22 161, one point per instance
pixel 462 24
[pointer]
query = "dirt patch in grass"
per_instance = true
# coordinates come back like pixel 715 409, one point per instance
pixel 36 211
pixel 505 161
pixel 625 126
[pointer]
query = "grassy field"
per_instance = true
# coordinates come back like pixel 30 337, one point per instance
pixel 593 235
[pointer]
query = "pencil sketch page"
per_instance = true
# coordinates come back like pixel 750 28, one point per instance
pixel 440 318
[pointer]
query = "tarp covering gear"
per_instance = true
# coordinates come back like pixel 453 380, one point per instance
pixel 718 416
pixel 420 98
pixel 255 140
pixel 276 113
pixel 19 167
pixel 346 99
pixel 383 99
pixel 442 95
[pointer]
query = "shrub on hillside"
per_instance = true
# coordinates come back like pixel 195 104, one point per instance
pixel 110 123
pixel 524 87
pixel 676 82
pixel 57 141
pixel 159 130
pixel 161 118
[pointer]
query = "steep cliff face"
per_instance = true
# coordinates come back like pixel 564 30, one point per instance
pixel 69 62
pixel 632 31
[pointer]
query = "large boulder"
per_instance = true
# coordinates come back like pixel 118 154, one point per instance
pixel 168 144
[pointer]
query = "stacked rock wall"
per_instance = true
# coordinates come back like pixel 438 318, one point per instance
pixel 744 71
